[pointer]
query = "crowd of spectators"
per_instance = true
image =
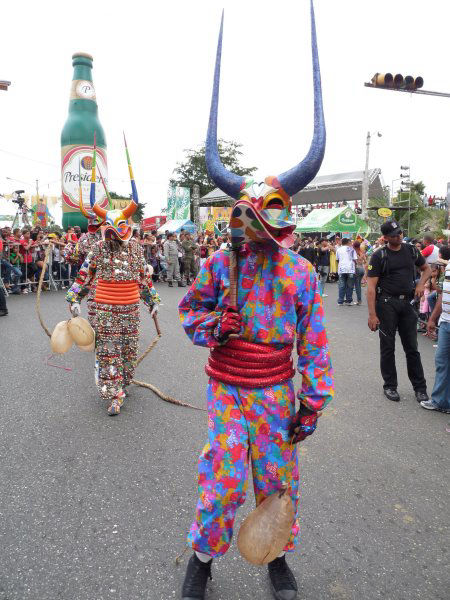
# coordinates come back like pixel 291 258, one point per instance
pixel 178 258
pixel 346 261
pixel 22 252
pixel 174 257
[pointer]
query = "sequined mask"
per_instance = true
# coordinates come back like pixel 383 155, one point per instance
pixel 262 213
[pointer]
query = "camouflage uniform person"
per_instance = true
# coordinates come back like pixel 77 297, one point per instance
pixel 171 256
pixel 189 247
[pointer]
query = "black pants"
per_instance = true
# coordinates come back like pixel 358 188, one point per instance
pixel 399 314
pixel 2 300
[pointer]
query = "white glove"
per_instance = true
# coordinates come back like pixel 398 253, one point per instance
pixel 75 309
pixel 154 310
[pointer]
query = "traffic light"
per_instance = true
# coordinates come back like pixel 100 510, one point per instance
pixel 397 82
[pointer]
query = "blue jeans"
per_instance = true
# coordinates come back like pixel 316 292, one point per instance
pixel 440 396
pixel 11 273
pixel 323 276
pixel 358 278
pixel 432 299
pixel 346 281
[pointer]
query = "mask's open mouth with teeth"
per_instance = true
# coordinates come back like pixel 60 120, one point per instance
pixel 111 233
pixel 275 203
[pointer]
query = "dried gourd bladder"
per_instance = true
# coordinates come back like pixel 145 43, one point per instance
pixel 61 340
pixel 89 348
pixel 266 530
pixel 81 332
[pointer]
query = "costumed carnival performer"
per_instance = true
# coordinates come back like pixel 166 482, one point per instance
pixel 121 280
pixel 250 397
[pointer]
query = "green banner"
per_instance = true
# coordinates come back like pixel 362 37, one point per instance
pixel 178 202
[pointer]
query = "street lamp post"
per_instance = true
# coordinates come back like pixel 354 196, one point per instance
pixel 406 181
pixel 392 191
pixel 365 186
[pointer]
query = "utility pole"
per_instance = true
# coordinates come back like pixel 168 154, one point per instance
pixel 392 192
pixel 407 183
pixel 195 207
pixel 365 184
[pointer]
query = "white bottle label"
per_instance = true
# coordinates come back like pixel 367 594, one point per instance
pixel 76 163
pixel 82 88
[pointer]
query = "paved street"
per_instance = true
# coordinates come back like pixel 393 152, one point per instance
pixel 97 508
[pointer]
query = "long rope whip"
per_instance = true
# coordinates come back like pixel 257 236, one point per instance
pixel 148 386
pixel 153 388
pixel 38 297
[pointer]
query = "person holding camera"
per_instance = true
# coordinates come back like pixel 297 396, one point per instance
pixel 391 295
pixel 3 307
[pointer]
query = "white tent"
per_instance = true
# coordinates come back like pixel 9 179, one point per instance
pixel 176 225
pixel 7 212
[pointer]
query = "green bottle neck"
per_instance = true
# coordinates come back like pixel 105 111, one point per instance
pixel 82 72
pixel 89 106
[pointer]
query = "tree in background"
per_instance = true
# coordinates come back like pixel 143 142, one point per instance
pixel 422 219
pixel 139 214
pixel 193 169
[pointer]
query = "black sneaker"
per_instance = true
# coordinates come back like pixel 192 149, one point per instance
pixel 392 394
pixel 3 313
pixel 421 396
pixel 196 578
pixel 284 586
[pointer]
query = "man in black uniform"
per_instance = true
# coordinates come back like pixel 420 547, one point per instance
pixel 391 291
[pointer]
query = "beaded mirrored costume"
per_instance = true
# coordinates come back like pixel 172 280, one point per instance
pixel 251 398
pixel 85 246
pixel 118 269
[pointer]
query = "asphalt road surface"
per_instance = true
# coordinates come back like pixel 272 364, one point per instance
pixel 97 508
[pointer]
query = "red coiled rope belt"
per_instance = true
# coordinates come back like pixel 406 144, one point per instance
pixel 250 365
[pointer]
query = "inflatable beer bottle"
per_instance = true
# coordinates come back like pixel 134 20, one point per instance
pixel 77 139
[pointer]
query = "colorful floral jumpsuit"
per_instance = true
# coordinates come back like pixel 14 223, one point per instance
pixel 278 300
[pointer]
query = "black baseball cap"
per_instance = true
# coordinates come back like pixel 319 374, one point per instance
pixel 391 228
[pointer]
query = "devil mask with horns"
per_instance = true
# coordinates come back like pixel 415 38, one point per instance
pixel 262 210
pixel 115 222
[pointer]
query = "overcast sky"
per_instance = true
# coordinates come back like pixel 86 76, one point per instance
pixel 153 67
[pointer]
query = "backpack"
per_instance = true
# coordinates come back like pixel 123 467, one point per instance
pixel 385 261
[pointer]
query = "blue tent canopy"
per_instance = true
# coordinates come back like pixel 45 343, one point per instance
pixel 176 225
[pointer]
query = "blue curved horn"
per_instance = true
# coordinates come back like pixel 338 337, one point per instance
pixel 298 177
pixel 226 180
